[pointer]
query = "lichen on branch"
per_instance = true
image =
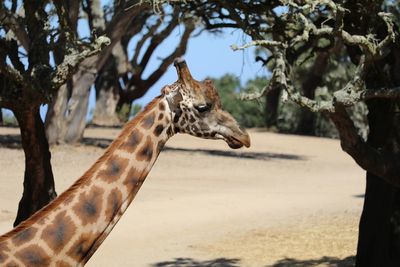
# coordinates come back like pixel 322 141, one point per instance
pixel 71 60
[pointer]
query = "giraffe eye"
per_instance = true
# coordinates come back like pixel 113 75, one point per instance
pixel 203 107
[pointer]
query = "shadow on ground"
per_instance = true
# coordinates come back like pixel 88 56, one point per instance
pixel 105 142
pixel 324 261
pixel 13 141
pixel 189 262
pixel 240 154
pixel 288 262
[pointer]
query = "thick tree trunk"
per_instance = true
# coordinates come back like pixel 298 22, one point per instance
pixel 55 116
pixel 78 106
pixel 38 179
pixel 106 105
pixel 271 108
pixel 66 118
pixel 379 237
pixel 107 88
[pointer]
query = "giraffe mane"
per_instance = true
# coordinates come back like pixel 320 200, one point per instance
pixel 85 177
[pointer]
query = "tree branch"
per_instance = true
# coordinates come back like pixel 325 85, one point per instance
pixel 71 61
pixel 156 40
pixel 379 162
pixel 167 61
pixel 12 21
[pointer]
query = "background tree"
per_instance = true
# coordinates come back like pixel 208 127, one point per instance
pixel 289 30
pixel 66 116
pixel 44 60
pixel 118 77
pixel 28 79
pixel 247 113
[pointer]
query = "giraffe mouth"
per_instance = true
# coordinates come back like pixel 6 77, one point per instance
pixel 236 142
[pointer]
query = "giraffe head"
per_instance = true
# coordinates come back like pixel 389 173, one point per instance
pixel 197 110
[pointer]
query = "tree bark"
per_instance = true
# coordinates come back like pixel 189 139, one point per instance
pixel 55 122
pixel 108 88
pixel 306 124
pixel 78 106
pixel 271 108
pixel 106 105
pixel 379 238
pixel 39 187
pixel 1 117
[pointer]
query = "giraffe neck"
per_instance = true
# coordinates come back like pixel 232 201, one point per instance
pixel 70 229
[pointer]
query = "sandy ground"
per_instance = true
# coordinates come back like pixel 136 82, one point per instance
pixel 286 201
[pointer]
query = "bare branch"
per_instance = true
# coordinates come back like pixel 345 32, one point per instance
pixel 157 39
pixel 139 45
pixel 167 61
pixel 71 61
pixel 12 21
pixel 264 43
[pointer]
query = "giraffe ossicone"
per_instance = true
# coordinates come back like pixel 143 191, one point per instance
pixel 70 229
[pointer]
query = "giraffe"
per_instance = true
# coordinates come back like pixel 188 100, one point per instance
pixel 70 229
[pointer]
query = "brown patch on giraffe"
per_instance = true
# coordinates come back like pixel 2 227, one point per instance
pixel 114 201
pixel 161 106
pixel 161 116
pixel 33 255
pixel 158 130
pixel 59 232
pixel 24 236
pixel 63 264
pixel 148 121
pixel 80 247
pixel 114 170
pixel 89 204
pixel 145 153
pixel 132 179
pixel 192 119
pixel 132 142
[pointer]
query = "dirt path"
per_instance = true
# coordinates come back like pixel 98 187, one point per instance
pixel 287 201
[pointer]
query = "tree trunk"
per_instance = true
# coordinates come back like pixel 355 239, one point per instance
pixel 75 115
pixel 1 117
pixel 379 237
pixel 306 124
pixel 78 106
pixel 271 108
pixel 39 187
pixel 55 121
pixel 66 116
pixel 106 105
pixel 107 88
